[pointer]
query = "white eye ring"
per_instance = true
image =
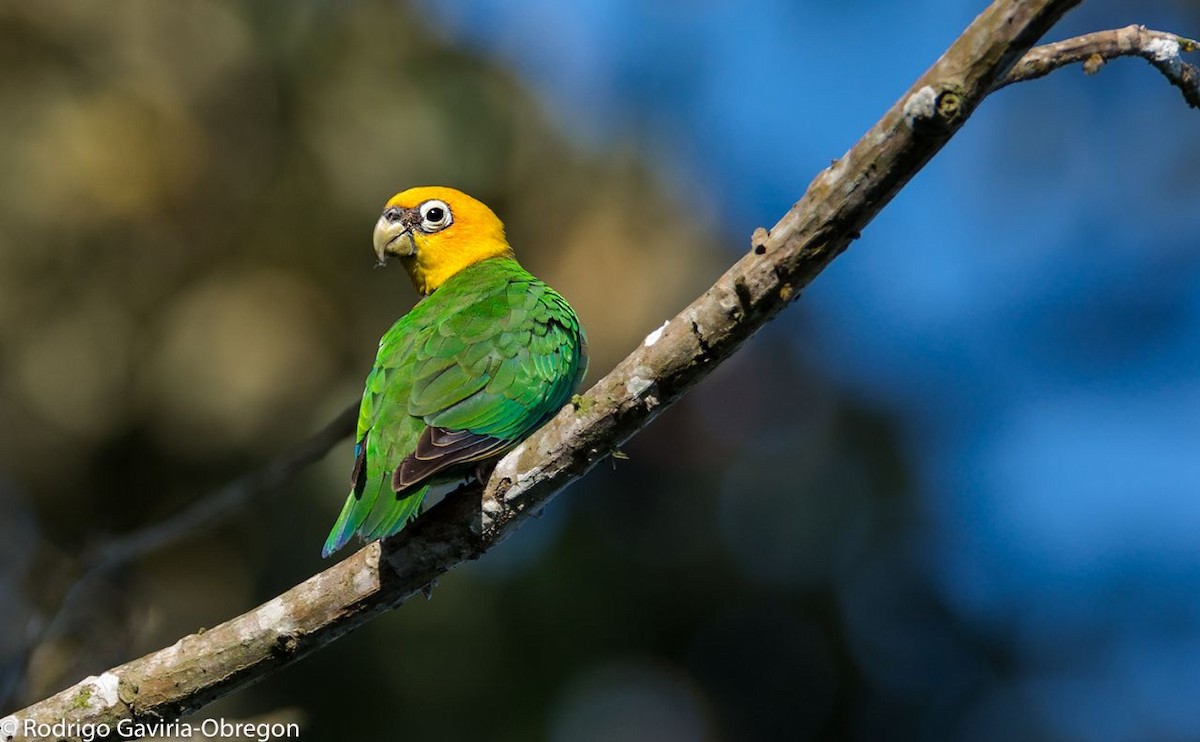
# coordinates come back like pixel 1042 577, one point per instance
pixel 435 216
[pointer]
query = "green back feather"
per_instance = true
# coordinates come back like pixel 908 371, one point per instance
pixel 494 351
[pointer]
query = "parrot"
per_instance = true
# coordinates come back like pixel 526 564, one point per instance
pixel 487 355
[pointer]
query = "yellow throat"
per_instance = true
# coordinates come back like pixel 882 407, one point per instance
pixel 436 232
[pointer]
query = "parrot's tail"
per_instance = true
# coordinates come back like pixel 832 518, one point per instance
pixel 342 531
pixel 375 514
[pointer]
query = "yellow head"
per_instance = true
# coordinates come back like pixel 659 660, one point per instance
pixel 436 232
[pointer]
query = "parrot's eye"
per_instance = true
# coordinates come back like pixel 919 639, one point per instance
pixel 435 215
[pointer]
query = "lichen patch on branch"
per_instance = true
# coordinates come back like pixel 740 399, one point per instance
pixel 920 106
pixel 653 337
pixel 1164 49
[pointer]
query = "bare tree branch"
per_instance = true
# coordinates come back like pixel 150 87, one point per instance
pixel 221 503
pixel 1161 49
pixel 207 510
pixel 211 508
pixel 838 204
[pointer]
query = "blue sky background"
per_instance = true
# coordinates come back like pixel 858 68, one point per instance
pixel 1029 306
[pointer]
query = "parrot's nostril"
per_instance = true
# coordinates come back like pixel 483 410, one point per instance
pixel 392 214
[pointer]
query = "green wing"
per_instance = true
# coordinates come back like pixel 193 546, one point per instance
pixel 466 375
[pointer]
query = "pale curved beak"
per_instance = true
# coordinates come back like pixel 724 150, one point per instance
pixel 392 237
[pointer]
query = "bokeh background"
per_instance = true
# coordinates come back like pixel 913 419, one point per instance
pixel 953 493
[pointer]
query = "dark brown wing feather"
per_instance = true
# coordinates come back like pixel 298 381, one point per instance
pixel 439 449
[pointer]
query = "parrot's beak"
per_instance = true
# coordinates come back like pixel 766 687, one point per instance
pixel 393 237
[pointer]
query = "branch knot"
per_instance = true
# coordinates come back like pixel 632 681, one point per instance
pixel 930 110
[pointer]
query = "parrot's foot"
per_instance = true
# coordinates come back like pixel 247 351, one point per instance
pixel 427 591
pixel 468 485
pixel 483 471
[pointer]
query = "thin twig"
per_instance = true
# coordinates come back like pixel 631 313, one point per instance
pixel 1161 49
pixel 206 511
pixel 224 502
